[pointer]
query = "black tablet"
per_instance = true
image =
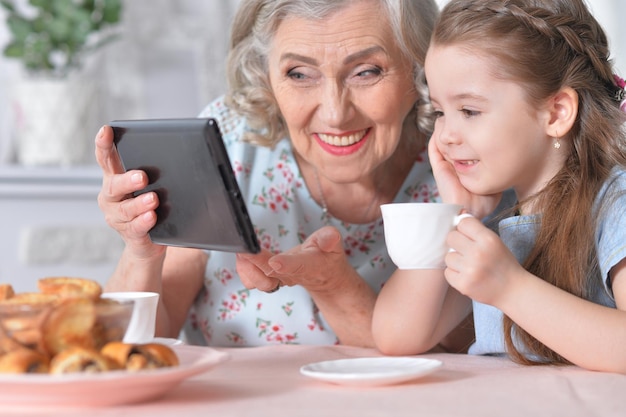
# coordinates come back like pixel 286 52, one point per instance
pixel 187 166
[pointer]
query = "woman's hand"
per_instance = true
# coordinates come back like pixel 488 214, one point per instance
pixel 480 266
pixel 132 217
pixel 254 271
pixel 315 264
pixel 451 189
pixel 319 265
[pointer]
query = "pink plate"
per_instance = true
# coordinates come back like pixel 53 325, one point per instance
pixel 108 388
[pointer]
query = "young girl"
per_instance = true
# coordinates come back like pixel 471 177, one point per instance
pixel 525 98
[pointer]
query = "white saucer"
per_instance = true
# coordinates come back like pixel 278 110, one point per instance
pixel 371 371
pixel 169 341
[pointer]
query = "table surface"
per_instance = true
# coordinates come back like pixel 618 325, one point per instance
pixel 266 381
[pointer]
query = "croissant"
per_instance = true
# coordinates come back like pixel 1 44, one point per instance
pixel 70 287
pixel 35 299
pixel 80 359
pixel 70 324
pixel 135 357
pixel 6 291
pixel 21 319
pixel 24 360
pixel 7 343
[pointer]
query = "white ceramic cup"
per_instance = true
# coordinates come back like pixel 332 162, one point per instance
pixel 143 320
pixel 415 233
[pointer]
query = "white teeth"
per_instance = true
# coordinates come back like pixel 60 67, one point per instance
pixel 342 140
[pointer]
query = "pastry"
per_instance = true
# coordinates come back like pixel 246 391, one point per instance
pixel 6 291
pixel 70 287
pixel 67 321
pixel 71 323
pixel 30 298
pixel 135 357
pixel 23 360
pixel 80 359
pixel 112 318
pixel 21 318
pixel 7 343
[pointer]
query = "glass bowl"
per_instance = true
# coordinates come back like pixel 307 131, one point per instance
pixel 49 324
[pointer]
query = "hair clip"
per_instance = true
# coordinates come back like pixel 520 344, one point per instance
pixel 620 94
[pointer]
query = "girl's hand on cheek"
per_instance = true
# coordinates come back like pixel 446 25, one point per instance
pixel 479 265
pixel 448 184
pixel 452 191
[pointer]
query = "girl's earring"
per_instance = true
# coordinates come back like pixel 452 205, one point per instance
pixel 557 144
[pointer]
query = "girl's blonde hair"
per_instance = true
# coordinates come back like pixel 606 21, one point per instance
pixel 546 45
pixel 257 21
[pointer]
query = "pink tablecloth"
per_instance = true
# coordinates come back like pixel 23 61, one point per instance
pixel 266 381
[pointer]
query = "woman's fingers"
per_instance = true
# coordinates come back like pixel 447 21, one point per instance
pixel 318 264
pixel 253 271
pixel 131 216
pixel 118 187
pixel 106 154
pixel 319 251
pixel 314 264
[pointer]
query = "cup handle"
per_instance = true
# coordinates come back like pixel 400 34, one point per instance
pixel 457 219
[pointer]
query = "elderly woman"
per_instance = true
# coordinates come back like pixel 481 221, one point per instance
pixel 323 122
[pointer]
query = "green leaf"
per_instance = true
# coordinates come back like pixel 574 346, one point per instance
pixel 67 10
pixel 37 51
pixel 82 17
pixel 39 24
pixel 45 5
pixel 80 33
pixel 112 11
pixel 14 50
pixel 19 27
pixel 89 4
pixel 59 29
pixel 7 5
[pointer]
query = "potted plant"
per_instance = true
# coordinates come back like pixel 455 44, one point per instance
pixel 55 100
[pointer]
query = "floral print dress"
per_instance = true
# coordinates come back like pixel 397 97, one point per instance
pixel 283 213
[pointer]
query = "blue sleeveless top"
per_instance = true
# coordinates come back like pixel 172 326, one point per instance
pixel 518 234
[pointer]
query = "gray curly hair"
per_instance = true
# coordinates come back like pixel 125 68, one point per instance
pixel 257 21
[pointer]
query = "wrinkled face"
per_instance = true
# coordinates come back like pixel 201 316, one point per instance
pixel 344 89
pixel 485 126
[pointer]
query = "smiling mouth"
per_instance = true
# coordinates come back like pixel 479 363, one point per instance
pixel 469 162
pixel 344 140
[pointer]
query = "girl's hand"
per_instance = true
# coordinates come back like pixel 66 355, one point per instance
pixel 480 266
pixel 451 189
pixel 132 217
